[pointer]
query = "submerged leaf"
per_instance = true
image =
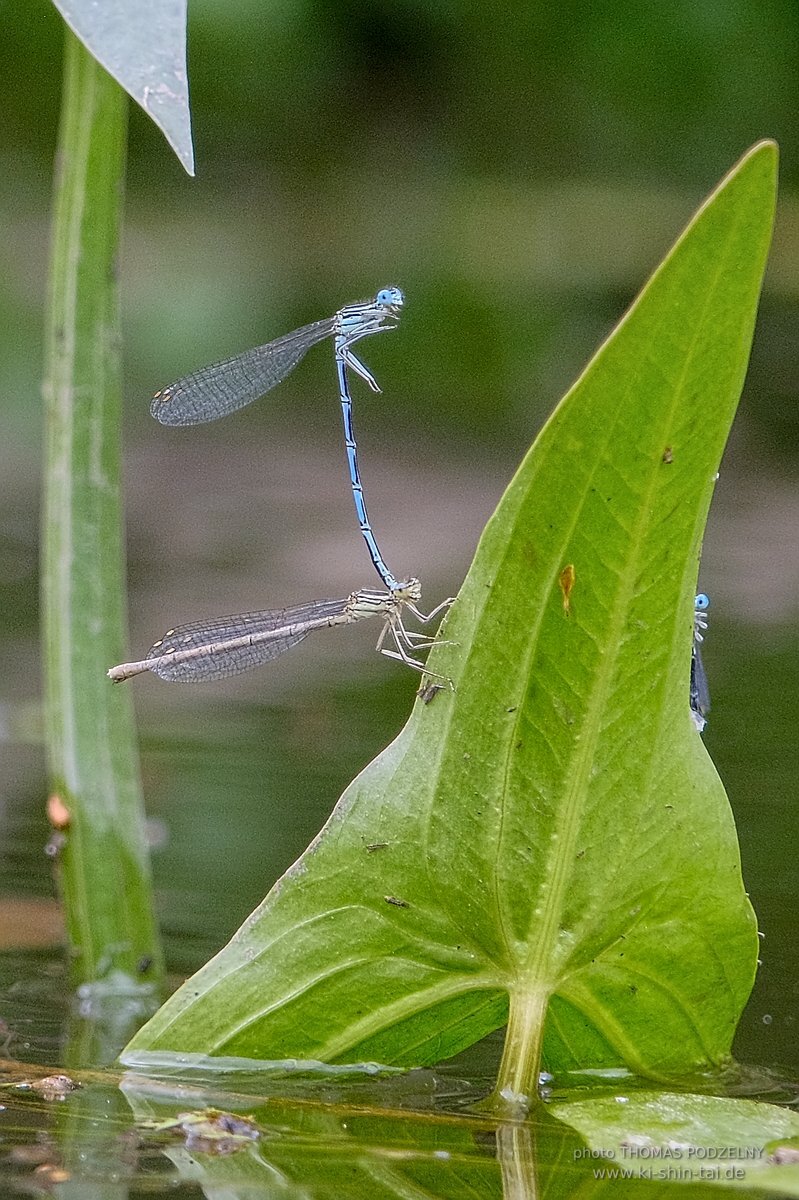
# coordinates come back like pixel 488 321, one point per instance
pixel 683 1138
pixel 557 847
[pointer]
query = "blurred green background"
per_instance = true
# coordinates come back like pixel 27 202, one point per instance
pixel 518 170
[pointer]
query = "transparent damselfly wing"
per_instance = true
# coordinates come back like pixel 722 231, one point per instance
pixel 700 691
pixel 225 646
pixel 224 387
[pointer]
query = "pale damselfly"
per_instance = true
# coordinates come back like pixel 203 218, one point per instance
pixel 224 646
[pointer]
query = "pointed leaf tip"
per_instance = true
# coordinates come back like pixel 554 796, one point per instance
pixel 142 45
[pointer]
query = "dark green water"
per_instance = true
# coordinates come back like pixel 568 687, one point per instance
pixel 236 787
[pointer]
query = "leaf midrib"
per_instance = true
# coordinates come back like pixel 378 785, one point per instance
pixel 543 947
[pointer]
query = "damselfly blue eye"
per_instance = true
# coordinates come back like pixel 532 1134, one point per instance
pixel 390 295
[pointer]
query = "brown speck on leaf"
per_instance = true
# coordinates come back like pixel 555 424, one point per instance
pixel 395 900
pixel 667 455
pixel 566 581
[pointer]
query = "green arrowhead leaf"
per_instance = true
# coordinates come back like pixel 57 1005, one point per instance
pixel 557 849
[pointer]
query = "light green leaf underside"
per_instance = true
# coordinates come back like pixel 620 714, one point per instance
pixel 142 45
pixel 554 829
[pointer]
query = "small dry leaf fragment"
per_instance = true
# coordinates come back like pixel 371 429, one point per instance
pixel 50 1087
pixel 566 581
pixel 58 814
pixel 209 1131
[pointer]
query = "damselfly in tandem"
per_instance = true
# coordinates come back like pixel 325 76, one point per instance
pixel 224 387
pixel 224 646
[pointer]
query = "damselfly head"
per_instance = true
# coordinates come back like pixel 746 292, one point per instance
pixel 409 592
pixel 390 297
pixel 701 605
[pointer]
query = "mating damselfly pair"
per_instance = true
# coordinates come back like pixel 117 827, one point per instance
pixel 225 646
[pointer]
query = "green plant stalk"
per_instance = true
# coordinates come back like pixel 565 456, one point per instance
pixel 93 764
pixel 521 1055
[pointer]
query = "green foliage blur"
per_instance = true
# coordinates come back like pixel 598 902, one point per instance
pixel 517 168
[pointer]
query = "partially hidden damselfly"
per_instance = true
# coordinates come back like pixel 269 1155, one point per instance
pixel 699 692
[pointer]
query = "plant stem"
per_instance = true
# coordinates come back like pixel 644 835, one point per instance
pixel 93 764
pixel 517 1080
